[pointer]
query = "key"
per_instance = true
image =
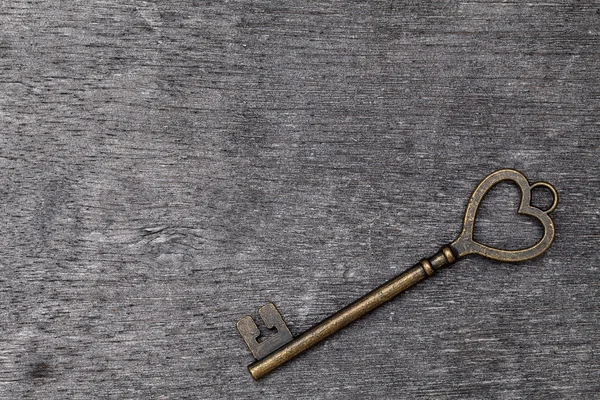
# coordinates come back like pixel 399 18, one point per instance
pixel 280 347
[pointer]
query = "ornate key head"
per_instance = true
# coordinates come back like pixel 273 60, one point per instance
pixel 465 244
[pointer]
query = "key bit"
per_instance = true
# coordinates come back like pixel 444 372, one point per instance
pixel 250 332
pixel 273 353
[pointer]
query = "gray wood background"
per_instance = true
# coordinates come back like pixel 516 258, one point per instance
pixel 169 167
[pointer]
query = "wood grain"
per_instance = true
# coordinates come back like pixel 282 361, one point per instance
pixel 169 167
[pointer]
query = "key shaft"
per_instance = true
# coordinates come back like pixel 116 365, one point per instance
pixel 352 312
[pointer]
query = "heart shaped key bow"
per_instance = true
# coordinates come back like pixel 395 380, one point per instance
pixel 465 244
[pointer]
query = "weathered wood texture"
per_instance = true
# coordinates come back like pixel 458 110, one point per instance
pixel 168 167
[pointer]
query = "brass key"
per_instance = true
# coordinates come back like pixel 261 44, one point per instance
pixel 280 347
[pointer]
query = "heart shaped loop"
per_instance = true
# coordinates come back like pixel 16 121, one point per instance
pixel 465 244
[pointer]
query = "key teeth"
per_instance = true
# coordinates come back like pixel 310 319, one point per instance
pixel 250 332
pixel 270 315
pixel 247 327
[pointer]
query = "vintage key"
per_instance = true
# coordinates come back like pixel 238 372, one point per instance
pixel 280 347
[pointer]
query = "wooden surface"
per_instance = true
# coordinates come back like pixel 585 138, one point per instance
pixel 169 167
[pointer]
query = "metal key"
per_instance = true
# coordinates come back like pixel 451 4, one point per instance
pixel 279 348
